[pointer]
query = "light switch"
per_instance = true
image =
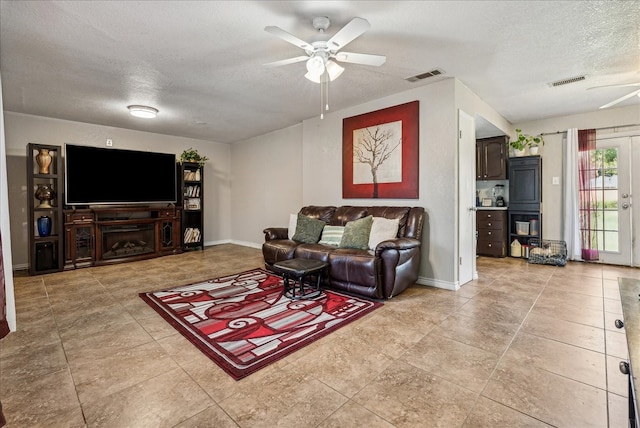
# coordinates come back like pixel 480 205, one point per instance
pixel 556 180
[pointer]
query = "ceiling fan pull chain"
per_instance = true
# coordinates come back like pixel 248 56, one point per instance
pixel 321 99
pixel 326 88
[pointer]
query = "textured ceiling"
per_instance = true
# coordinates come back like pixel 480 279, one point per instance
pixel 200 62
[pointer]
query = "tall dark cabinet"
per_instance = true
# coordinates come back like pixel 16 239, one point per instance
pixel 491 158
pixel 44 204
pixel 191 179
pixel 525 198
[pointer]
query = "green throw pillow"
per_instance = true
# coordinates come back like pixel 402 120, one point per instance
pixel 356 233
pixel 308 229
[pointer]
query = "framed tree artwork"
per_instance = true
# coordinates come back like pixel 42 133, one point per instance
pixel 380 153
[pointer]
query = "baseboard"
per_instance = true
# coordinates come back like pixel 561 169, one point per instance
pixel 247 244
pixel 235 242
pixel 21 266
pixel 453 286
pixel 220 242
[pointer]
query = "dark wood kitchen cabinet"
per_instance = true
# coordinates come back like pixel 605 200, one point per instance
pixel 525 198
pixel 492 233
pixel 491 158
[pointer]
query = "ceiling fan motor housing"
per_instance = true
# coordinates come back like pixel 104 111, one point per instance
pixel 321 23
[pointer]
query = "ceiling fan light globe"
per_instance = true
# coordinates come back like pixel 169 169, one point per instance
pixel 334 70
pixel 312 77
pixel 315 65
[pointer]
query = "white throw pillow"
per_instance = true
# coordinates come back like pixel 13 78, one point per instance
pixel 382 229
pixel 293 221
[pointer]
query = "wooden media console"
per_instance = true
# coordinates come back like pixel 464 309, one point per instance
pixel 99 236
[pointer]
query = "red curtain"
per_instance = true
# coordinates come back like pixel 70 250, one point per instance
pixel 4 324
pixel 588 169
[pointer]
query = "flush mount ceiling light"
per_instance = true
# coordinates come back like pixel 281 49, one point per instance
pixel 145 112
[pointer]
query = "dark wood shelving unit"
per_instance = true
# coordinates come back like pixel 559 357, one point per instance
pixel 45 250
pixel 191 192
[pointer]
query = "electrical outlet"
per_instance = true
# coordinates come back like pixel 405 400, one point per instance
pixel 556 180
pixel 109 142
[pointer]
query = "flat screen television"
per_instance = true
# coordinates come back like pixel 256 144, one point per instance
pixel 102 176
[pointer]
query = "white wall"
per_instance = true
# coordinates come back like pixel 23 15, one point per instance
pixel 322 170
pixel 22 129
pixel 5 231
pixel 278 173
pixel 552 154
pixel 266 183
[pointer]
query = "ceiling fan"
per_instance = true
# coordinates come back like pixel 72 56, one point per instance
pixel 321 53
pixel 619 100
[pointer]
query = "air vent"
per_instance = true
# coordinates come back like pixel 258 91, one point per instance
pixel 432 73
pixel 567 81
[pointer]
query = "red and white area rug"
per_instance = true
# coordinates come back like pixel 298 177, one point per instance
pixel 243 322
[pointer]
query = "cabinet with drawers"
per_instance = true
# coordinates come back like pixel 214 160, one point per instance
pixel 492 232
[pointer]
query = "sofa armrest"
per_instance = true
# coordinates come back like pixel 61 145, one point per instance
pixel 272 233
pixel 397 244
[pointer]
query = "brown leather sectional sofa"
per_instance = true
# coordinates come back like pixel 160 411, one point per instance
pixel 380 274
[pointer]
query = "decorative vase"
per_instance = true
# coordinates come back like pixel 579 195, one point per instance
pixel 533 150
pixel 43 158
pixel 518 153
pixel 45 193
pixel 44 226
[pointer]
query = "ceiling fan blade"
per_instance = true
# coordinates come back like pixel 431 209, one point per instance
pixel 619 100
pixel 358 58
pixel 288 37
pixel 620 85
pixel 353 29
pixel 286 61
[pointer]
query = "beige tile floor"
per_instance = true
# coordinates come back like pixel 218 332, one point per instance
pixel 525 345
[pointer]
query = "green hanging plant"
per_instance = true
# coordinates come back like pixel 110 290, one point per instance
pixel 192 155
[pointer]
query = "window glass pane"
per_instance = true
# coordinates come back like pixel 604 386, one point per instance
pixel 598 158
pixel 599 235
pixel 611 241
pixel 610 178
pixel 610 199
pixel 611 220
pixel 597 220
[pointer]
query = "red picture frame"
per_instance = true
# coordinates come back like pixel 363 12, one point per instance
pixel 381 141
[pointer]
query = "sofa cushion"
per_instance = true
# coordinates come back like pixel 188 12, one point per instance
pixel 382 229
pixel 321 213
pixel 332 235
pixel 313 252
pixel 356 234
pixel 308 229
pixel 347 213
pixel 278 250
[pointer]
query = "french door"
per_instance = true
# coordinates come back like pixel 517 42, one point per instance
pixel 612 212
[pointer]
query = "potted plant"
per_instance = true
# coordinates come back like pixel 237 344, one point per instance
pixel 524 141
pixel 192 155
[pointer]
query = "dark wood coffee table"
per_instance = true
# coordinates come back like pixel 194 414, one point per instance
pixel 299 275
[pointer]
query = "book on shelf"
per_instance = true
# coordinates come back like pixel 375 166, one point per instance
pixel 191 175
pixel 192 191
pixel 191 235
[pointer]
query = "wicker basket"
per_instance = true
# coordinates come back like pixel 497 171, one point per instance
pixel 547 252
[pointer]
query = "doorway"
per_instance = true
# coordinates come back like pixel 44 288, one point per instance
pixel 616 222
pixel 466 270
